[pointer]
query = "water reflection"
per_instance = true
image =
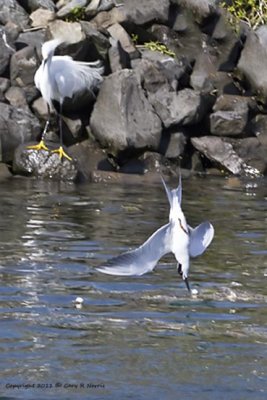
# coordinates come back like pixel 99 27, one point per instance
pixel 137 337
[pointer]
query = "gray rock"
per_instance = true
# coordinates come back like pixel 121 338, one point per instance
pixel 89 158
pixel 17 125
pixel 16 97
pixel 230 116
pixel 67 9
pixel 23 66
pixel 117 32
pixel 5 51
pixel 118 58
pixel 141 12
pixel 97 44
pixel 105 19
pixel 172 144
pixel 254 155
pixel 4 85
pixel 202 9
pixel 203 71
pixel 159 72
pixel 122 118
pixel 220 152
pixel 11 11
pixel 70 32
pixel 259 128
pixel 31 38
pixel 43 164
pixel 187 107
pixel 32 5
pixel 253 60
pixel 238 156
pixel 40 108
pixel 41 17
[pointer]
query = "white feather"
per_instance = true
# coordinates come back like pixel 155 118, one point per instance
pixel 176 237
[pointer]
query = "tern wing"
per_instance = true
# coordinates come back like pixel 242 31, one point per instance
pixel 200 238
pixel 143 259
pixel 175 193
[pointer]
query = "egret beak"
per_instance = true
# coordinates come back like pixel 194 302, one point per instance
pixel 187 285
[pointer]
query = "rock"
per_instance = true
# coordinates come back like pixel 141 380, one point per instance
pixel 253 154
pixel 107 18
pixel 186 107
pixel 122 118
pixel 16 97
pixel 259 128
pixel 32 5
pixel 67 9
pixel 97 44
pixel 203 71
pixel 118 58
pixel 11 11
pixel 31 38
pixel 4 85
pixel 70 32
pixel 117 32
pixel 219 151
pixel 23 66
pixel 201 9
pixel 5 51
pixel 4 172
pixel 40 108
pixel 17 125
pixel 157 73
pixel 230 116
pixel 41 17
pixel 253 60
pixel 172 145
pixel 142 12
pixel 89 158
pixel 43 164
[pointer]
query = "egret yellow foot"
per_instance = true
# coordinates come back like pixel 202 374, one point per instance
pixel 62 153
pixel 39 146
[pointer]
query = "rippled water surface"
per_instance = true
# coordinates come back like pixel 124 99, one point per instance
pixel 133 338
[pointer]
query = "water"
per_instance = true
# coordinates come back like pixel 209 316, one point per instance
pixel 132 338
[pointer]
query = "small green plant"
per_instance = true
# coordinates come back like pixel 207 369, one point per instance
pixel 253 12
pixel 157 46
pixel 76 14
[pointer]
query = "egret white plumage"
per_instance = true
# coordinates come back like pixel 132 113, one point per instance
pixel 176 237
pixel 59 78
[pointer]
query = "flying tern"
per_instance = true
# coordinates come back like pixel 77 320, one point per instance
pixel 176 237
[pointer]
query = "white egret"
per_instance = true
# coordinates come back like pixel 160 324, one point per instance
pixel 176 237
pixel 60 78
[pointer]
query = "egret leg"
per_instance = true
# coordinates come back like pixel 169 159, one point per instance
pixel 61 152
pixel 41 145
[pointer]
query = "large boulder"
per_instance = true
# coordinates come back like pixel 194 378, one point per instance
pixel 5 51
pixel 253 60
pixel 43 164
pixel 11 11
pixel 122 117
pixel 230 116
pixel 17 125
pixel 220 152
pixel 142 12
pixel 238 156
pixel 186 107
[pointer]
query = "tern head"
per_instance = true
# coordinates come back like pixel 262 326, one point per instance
pixel 48 48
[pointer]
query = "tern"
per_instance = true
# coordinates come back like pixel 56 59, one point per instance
pixel 60 78
pixel 176 237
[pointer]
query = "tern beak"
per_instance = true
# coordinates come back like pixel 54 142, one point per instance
pixel 187 285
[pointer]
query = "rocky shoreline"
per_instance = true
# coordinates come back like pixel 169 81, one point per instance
pixel 182 88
